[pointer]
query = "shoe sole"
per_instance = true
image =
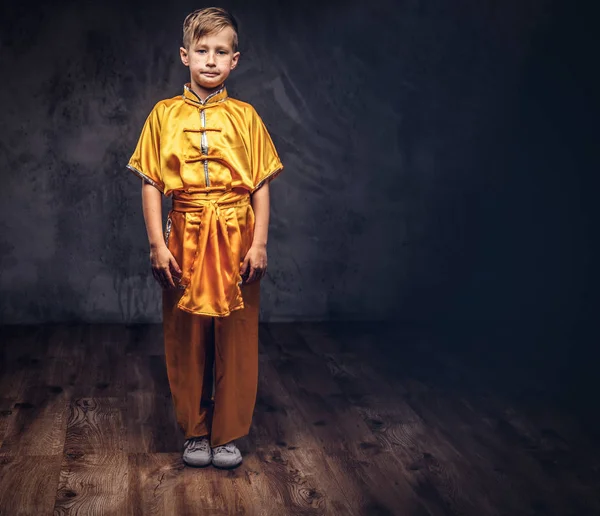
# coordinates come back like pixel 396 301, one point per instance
pixel 201 465
pixel 229 466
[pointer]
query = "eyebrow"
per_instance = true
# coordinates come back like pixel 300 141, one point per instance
pixel 218 47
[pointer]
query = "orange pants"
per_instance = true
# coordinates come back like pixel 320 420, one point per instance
pixel 205 353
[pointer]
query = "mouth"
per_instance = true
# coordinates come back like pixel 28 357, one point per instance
pixel 210 74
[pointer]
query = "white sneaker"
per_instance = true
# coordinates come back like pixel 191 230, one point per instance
pixel 197 452
pixel 226 456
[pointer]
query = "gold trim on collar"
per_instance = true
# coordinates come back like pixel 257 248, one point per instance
pixel 215 97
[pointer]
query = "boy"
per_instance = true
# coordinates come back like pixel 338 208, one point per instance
pixel 213 155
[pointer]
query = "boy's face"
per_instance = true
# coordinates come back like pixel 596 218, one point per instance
pixel 210 60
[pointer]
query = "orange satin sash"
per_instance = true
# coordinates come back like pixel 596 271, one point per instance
pixel 212 244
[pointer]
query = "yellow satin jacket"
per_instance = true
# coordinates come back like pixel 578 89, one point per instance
pixel 209 156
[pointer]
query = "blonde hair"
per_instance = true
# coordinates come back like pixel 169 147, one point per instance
pixel 206 21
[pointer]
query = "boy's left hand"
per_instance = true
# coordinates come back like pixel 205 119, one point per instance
pixel 255 264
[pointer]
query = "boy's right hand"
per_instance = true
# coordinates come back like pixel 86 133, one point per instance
pixel 164 267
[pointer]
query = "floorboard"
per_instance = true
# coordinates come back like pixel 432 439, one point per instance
pixel 350 419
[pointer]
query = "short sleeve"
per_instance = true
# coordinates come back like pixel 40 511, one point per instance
pixel 145 160
pixel 264 159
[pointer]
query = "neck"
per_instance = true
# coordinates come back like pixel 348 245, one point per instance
pixel 202 92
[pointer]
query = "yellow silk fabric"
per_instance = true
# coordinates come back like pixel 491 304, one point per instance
pixel 240 152
pixel 211 225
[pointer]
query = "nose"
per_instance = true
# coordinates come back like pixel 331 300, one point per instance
pixel 210 59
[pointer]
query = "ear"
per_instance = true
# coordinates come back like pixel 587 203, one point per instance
pixel 234 60
pixel 185 59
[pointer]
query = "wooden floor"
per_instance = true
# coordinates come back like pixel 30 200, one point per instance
pixel 350 419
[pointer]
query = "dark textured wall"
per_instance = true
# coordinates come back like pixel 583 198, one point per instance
pixel 426 177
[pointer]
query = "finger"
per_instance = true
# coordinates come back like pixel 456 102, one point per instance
pixel 168 278
pixel 246 273
pixel 161 279
pixel 253 271
pixel 244 267
pixel 175 265
pixel 158 277
pixel 175 272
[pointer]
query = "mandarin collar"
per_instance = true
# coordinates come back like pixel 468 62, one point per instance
pixel 215 97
